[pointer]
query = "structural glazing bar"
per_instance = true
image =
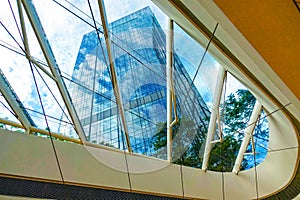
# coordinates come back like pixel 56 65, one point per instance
pixel 169 55
pixel 41 36
pixel 113 72
pixel 26 44
pixel 213 116
pixel 247 136
pixel 15 103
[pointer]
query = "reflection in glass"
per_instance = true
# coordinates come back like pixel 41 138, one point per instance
pixel 138 46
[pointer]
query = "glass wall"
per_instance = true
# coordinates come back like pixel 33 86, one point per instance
pixel 138 46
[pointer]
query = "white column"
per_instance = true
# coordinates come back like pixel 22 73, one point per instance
pixel 169 57
pixel 213 117
pixel 247 136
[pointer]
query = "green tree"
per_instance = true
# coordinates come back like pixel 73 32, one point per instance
pixel 187 141
pixel 236 113
pixel 223 155
pixel 238 109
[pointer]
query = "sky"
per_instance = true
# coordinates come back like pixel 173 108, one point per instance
pixel 64 32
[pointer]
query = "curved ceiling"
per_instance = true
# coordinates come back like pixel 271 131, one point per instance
pixel 272 27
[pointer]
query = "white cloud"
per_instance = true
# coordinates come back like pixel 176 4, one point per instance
pixel 129 6
pixel 64 32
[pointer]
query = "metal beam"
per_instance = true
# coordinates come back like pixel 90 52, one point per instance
pixel 186 12
pixel 47 51
pixel 11 123
pixel 25 38
pixel 26 43
pixel 247 136
pixel 15 103
pixel 169 64
pixel 213 117
pixel 30 58
pixel 41 131
pixel 113 73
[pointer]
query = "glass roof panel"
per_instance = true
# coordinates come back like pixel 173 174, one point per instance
pixel 199 65
pixel 139 54
pixel 7 111
pixel 130 6
pixel 65 28
pixel 257 151
pixel 236 107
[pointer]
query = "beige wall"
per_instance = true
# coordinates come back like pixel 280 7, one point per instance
pixel 31 156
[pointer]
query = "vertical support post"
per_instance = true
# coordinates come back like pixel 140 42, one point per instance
pixel 213 117
pixel 169 64
pixel 47 51
pixel 247 136
pixel 113 73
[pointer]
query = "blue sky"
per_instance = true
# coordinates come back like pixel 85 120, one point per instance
pixel 64 32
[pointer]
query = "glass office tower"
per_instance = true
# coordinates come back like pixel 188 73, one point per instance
pixel 139 51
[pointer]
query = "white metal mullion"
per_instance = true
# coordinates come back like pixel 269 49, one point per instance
pixel 25 39
pixel 169 64
pixel 12 100
pixel 113 72
pixel 213 117
pixel 41 67
pixel 26 44
pixel 247 136
pixel 47 51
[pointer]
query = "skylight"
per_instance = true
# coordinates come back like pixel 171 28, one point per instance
pixel 210 108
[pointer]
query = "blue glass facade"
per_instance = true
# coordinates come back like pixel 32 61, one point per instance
pixel 138 46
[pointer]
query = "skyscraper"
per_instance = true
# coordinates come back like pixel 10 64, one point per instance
pixel 139 51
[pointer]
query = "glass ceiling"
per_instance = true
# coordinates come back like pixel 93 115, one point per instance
pixel 138 44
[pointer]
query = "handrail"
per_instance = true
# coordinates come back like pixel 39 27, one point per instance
pixel 41 131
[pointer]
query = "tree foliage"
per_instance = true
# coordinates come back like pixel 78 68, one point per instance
pixel 238 107
pixel 187 142
pixel 223 155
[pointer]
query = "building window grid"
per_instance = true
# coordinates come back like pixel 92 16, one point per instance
pixel 189 109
